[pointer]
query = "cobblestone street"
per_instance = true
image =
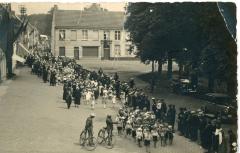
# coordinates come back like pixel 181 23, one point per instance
pixel 35 120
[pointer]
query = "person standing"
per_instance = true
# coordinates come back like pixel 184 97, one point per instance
pixel 119 122
pixel 89 126
pixel 117 89
pixel 105 97
pixel 147 103
pixel 154 133
pixel 147 139
pixel 131 83
pixel 109 124
pixel 208 134
pixel 232 141
pixel 96 93
pixel 180 121
pixel 116 77
pixel 139 135
pixel 77 96
pixel 65 85
pixel 45 74
pixel 202 125
pixel 218 139
pixel 69 98
pixel 173 117
pixel 114 99
pixel 88 96
pixel 158 110
pixel 154 105
pixel 92 101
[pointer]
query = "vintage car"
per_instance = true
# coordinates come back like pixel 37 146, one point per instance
pixel 182 86
pixel 221 105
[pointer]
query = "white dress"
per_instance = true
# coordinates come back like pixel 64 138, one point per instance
pixel 88 96
pixel 113 99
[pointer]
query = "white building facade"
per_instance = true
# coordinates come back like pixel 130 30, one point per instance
pixel 92 33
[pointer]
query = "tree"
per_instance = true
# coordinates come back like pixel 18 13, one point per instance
pixel 43 22
pixel 194 34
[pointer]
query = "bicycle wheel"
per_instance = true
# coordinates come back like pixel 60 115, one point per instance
pixel 82 138
pixel 110 142
pixel 91 144
pixel 101 136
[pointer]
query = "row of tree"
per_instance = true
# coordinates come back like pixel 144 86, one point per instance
pixel 195 35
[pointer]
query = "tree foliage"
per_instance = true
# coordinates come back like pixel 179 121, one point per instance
pixel 194 34
pixel 43 22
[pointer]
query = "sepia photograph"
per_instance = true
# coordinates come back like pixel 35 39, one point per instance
pixel 118 77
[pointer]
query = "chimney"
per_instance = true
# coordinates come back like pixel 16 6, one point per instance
pixel 55 7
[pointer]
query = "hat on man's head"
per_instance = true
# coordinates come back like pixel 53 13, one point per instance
pixel 92 115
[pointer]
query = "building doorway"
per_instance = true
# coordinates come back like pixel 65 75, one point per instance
pixel 106 49
pixel 90 52
pixel 107 53
pixel 76 53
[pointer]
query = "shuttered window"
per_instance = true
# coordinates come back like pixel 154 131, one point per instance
pixel 61 51
pixel 73 35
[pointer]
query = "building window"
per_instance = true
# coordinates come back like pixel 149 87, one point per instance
pixel 117 35
pixel 61 51
pixel 62 35
pixel 117 50
pixel 73 35
pixel 106 35
pixel 76 53
pixel 85 34
pixel 95 35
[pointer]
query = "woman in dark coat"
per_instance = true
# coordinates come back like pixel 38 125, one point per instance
pixel 77 96
pixel 45 74
pixel 65 91
pixel 69 98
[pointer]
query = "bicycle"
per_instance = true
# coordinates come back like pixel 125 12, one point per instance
pixel 90 143
pixel 104 139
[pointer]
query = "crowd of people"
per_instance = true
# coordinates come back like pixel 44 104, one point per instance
pixel 207 131
pixel 78 83
pixel 139 117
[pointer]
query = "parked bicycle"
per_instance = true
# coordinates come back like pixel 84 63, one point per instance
pixel 88 142
pixel 103 138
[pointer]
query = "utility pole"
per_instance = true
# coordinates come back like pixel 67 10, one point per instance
pixel 23 11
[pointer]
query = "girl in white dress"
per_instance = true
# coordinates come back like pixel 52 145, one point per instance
pixel 139 135
pixel 93 101
pixel 147 139
pixel 105 97
pixel 88 96
pixel 114 100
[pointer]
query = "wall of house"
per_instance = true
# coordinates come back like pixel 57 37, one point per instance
pixel 94 39
pixel 69 44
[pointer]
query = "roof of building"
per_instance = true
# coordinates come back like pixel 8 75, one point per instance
pixel 89 19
